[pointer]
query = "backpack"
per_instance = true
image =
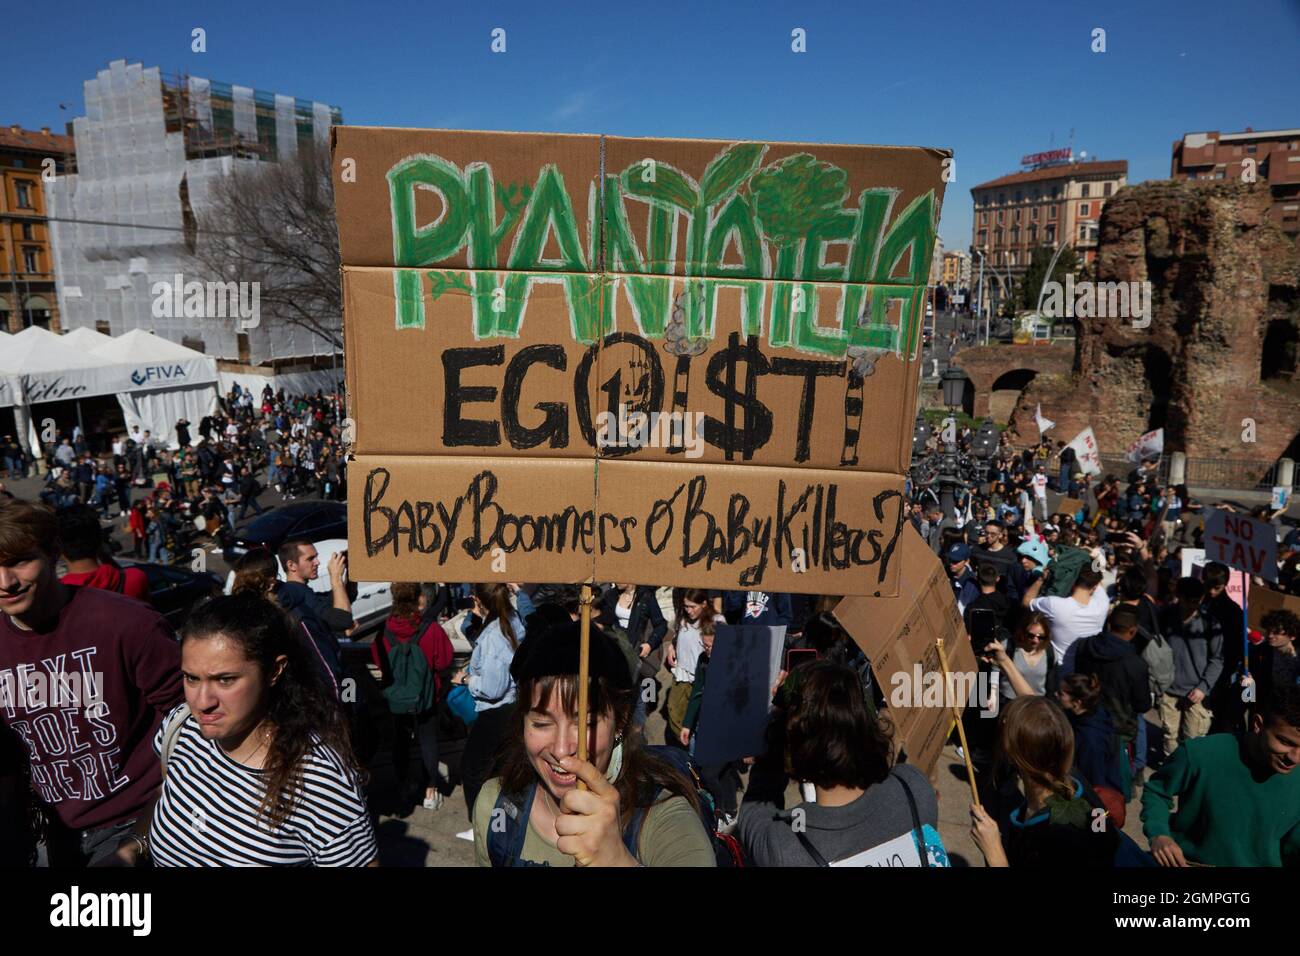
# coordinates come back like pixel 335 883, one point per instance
pixel 413 686
pixel 1058 581
pixel 1159 655
pixel 505 842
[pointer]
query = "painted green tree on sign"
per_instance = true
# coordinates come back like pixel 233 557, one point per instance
pixel 793 198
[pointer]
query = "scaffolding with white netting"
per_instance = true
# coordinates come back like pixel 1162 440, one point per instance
pixel 150 152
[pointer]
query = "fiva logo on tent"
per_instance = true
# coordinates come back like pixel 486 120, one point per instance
pixel 208 300
pixel 158 373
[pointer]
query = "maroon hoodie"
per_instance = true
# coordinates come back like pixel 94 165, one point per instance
pixel 91 752
pixel 434 642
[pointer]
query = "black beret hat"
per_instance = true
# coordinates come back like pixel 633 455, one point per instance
pixel 554 651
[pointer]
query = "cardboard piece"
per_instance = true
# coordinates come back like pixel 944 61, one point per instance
pixel 456 518
pixel 508 363
pixel 1069 506
pixel 898 636
pixel 738 693
pixel 1241 542
pixel 500 296
pixel 1264 600
pixel 465 199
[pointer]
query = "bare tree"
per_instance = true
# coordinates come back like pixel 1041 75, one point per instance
pixel 273 223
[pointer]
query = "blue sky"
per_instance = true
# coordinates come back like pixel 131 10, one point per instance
pixel 990 80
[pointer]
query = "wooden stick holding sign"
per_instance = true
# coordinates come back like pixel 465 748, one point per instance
pixel 584 669
pixel 961 728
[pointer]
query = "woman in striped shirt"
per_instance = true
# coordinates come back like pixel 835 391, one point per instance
pixel 260 771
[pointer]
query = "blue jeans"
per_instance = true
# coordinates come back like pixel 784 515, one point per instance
pixel 158 553
pixel 1064 483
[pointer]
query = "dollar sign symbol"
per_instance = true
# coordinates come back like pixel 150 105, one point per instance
pixel 721 381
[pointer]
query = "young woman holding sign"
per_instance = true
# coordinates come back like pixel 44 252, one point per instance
pixel 637 810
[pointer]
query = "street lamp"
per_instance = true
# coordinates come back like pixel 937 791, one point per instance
pixel 953 381
pixel 949 477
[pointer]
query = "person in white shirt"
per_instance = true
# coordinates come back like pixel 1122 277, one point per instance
pixel 1040 490
pixel 1082 614
pixel 695 617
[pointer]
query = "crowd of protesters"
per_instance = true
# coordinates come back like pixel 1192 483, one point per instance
pixel 1150 673
pixel 1112 673
pixel 212 477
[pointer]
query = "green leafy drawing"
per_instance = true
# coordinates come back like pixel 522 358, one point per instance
pixel 445 281
pixel 791 198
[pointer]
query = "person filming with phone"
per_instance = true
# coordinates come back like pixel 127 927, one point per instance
pixel 323 618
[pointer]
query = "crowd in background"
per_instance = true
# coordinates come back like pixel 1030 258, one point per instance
pixel 213 476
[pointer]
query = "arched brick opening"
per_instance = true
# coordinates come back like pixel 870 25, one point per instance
pixel 1006 390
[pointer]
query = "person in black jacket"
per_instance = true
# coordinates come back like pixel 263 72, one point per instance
pixel 324 617
pixel 1054 825
pixel 1225 698
pixel 1097 753
pixel 1125 682
pixel 249 489
pixel 630 614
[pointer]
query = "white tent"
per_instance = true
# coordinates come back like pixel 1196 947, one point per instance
pixel 156 382
pixel 85 339
pixel 184 383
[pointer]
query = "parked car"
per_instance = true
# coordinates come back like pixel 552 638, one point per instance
pixel 313 520
pixel 372 601
pixel 173 591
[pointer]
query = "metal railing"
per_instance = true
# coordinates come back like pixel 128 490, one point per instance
pixel 1233 473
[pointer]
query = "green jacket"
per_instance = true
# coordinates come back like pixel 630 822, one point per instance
pixel 1225 816
pixel 697 693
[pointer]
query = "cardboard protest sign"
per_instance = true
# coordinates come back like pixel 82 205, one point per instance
pixel 899 635
pixel 1069 506
pixel 454 517
pixel 1265 600
pixel 1085 446
pixel 1241 542
pixel 744 316
pixel 539 384
pixel 738 692
pixel 1281 498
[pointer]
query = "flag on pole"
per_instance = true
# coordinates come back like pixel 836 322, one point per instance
pixel 1043 423
pixel 1150 445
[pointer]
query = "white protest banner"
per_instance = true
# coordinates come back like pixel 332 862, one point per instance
pixel 1085 446
pixel 1043 423
pixel 1241 542
pixel 1150 445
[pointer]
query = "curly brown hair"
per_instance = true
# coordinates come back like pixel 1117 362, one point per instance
pixel 300 707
